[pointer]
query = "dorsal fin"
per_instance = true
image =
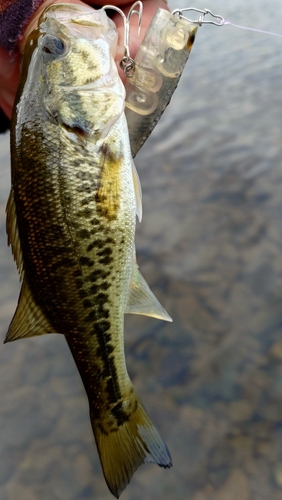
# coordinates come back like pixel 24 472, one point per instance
pixel 28 320
pixel 141 299
pixel 13 233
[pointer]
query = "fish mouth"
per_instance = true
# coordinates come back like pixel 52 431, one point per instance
pixel 109 82
pixel 106 84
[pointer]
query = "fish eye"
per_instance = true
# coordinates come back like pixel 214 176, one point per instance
pixel 191 40
pixel 53 45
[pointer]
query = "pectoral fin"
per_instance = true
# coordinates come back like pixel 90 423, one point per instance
pixel 28 320
pixel 141 299
pixel 138 192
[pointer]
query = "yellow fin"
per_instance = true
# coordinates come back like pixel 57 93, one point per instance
pixel 28 320
pixel 141 299
pixel 13 233
pixel 135 442
pixel 138 191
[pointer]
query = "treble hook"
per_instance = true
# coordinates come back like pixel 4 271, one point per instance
pixel 127 63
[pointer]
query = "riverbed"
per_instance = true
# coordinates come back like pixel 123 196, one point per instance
pixel 210 247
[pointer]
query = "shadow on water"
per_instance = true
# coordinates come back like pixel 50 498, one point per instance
pixel 210 247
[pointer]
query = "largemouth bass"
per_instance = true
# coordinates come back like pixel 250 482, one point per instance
pixel 71 224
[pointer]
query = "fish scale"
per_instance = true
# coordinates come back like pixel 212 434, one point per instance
pixel 57 266
pixel 71 224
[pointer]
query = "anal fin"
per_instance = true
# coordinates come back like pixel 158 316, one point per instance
pixel 28 320
pixel 141 299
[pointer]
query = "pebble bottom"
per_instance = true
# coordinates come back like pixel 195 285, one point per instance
pixel 210 247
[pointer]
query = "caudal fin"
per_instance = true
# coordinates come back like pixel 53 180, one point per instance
pixel 123 450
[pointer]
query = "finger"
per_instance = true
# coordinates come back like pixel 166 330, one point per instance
pixel 9 79
pixel 34 20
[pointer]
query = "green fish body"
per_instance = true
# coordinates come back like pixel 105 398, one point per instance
pixel 71 224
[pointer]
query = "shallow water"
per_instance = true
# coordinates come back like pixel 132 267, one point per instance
pixel 210 247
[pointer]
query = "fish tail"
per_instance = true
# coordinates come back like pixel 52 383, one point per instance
pixel 134 442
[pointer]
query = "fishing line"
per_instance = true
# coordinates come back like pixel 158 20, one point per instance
pixel 208 17
pixel 226 23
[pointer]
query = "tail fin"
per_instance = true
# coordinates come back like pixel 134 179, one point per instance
pixel 122 451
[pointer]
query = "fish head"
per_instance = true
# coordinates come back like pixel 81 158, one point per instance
pixel 76 45
pixel 73 65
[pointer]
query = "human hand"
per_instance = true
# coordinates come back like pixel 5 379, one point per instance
pixel 10 64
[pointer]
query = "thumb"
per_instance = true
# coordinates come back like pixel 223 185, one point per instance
pixel 9 79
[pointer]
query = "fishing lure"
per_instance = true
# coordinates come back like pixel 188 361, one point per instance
pixel 152 77
pixel 155 73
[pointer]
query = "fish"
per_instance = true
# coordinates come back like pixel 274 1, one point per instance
pixel 71 218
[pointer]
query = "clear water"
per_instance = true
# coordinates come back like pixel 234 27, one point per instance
pixel 210 247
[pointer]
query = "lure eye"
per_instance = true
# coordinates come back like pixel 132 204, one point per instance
pixel 191 40
pixel 53 45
